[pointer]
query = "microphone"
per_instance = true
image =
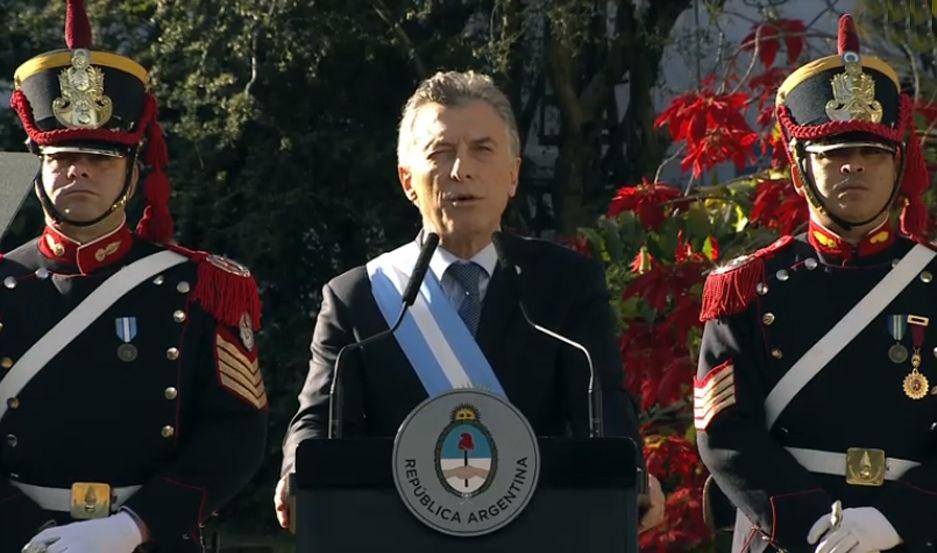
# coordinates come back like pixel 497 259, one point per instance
pixel 595 399
pixel 336 392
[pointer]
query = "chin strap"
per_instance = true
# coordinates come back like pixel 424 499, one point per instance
pixel 816 200
pixel 57 216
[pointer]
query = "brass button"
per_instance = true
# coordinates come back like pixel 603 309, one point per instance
pixel 178 315
pixel 13 403
pixel 183 287
pixel 776 353
pixel 927 277
pixel 159 280
pixel 42 273
pixel 761 288
pixel 810 263
pixel 782 275
pixel 171 393
pixel 167 431
pixel 767 318
pixel 12 440
pixel 9 282
pixel 172 354
pixel 6 362
pixel 1 326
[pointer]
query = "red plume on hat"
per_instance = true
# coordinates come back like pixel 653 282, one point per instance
pixel 800 111
pixel 77 26
pixel 847 39
pixel 131 120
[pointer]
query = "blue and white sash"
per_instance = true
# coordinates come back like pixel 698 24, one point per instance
pixel 434 338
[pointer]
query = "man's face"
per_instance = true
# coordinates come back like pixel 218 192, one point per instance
pixel 83 186
pixel 854 183
pixel 460 171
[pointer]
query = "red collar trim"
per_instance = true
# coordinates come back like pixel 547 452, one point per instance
pixel 828 242
pixel 88 257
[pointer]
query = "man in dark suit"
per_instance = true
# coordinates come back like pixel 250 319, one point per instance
pixel 459 159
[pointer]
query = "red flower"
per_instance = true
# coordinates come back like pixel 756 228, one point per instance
pixel 765 86
pixel 683 317
pixel 775 144
pixel 778 206
pixel 642 262
pixel 646 354
pixel 683 528
pixel 713 126
pixel 646 200
pixel 791 30
pixel 673 458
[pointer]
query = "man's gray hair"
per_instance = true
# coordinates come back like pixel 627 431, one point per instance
pixel 454 88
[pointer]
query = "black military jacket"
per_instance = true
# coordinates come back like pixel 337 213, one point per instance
pixel 185 418
pixel 802 288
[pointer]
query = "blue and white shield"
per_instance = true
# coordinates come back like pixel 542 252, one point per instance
pixel 467 458
pixel 126 328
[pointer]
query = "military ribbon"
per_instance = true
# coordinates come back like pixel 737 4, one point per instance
pixel 897 326
pixel 915 384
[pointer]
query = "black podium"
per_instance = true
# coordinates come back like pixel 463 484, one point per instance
pixel 585 502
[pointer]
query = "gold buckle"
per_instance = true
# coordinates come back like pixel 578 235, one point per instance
pixel 90 500
pixel 865 467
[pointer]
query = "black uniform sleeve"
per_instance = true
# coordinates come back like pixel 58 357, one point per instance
pixel 20 518
pixel 219 453
pixel 910 504
pixel 590 324
pixel 760 477
pixel 332 332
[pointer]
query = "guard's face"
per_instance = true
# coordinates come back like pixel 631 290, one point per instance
pixel 855 183
pixel 83 186
pixel 460 172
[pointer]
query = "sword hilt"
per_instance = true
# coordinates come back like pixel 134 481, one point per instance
pixel 836 516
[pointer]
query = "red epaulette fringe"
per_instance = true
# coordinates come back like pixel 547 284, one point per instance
pixel 224 289
pixel 730 290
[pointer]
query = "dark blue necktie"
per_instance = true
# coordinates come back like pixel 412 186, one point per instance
pixel 468 276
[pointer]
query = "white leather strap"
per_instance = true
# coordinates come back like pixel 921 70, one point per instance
pixel 843 332
pixel 73 324
pixel 830 462
pixel 60 499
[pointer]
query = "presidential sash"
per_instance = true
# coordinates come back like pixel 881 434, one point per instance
pixel 434 338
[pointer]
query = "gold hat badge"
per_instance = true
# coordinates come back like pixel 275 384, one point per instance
pixel 82 103
pixel 854 94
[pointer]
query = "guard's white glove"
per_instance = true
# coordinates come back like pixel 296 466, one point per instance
pixel 115 534
pixel 863 530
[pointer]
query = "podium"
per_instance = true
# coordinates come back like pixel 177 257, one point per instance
pixel 585 502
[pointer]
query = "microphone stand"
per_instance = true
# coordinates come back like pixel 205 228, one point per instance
pixel 336 390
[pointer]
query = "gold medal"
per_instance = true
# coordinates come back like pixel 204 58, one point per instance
pixel 915 385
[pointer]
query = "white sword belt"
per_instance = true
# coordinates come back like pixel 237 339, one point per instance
pixel 60 499
pixel 860 466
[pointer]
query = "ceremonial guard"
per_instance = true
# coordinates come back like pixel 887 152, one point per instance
pixel 816 404
pixel 131 403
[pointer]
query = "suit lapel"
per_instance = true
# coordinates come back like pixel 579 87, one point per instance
pixel 499 314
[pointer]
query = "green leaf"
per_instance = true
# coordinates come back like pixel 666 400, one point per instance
pixel 613 245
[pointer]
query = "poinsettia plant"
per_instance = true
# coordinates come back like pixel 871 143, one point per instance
pixel 658 242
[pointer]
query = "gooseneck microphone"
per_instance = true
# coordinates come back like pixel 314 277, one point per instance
pixel 595 399
pixel 336 391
